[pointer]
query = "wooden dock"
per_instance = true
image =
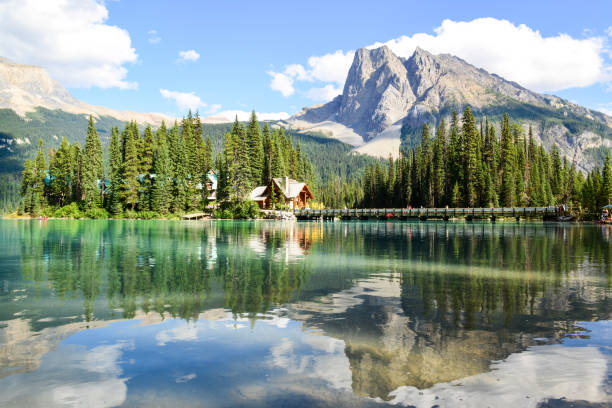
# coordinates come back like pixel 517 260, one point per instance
pixel 550 212
pixel 196 216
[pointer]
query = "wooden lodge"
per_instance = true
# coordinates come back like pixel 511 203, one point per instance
pixel 294 194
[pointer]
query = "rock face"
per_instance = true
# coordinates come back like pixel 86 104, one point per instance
pixel 384 93
pixel 377 92
pixel 23 88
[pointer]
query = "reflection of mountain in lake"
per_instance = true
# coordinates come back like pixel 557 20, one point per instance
pixel 415 304
pixel 392 342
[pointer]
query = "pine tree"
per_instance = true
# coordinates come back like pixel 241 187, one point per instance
pixel 27 181
pixel 226 166
pixel 60 174
pixel 207 166
pixel 114 204
pixel 267 159
pixel 606 182
pixel 407 179
pixel 256 151
pixel 439 173
pixel 507 190
pixel 180 160
pixel 277 168
pixel 38 181
pixel 131 162
pixel 161 189
pixel 455 153
pixel 455 195
pixel 77 172
pixel 193 177
pixel 242 164
pixel 145 169
pixel 390 185
pixel 93 169
pixel 471 162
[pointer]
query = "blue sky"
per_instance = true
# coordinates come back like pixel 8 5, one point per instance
pixel 257 55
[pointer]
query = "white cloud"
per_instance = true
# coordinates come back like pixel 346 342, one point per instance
pixel 183 332
pixel 521 380
pixel 607 109
pixel 154 38
pixel 189 55
pixel 609 31
pixel 331 67
pixel 70 39
pixel 515 52
pixel 186 378
pixel 230 115
pixel 282 83
pixel 189 100
pixel 214 108
pixel 325 360
pixel 73 376
pixel 326 93
pixel 325 68
pixel 184 100
pixel 297 71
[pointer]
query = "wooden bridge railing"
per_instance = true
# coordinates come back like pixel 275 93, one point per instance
pixel 430 212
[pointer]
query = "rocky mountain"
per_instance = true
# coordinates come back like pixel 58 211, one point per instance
pixel 24 88
pixel 386 99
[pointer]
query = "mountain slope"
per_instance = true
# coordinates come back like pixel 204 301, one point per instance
pixel 386 99
pixel 24 88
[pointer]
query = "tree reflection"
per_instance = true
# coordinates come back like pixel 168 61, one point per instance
pixel 167 267
pixel 415 303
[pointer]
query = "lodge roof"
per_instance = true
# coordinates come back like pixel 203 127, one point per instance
pixel 257 193
pixel 290 190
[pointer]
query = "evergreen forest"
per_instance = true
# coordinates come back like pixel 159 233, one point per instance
pixel 150 173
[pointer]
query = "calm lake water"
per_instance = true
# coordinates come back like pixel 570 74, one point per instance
pixel 266 314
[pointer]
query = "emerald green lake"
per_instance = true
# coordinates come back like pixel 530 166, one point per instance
pixel 330 314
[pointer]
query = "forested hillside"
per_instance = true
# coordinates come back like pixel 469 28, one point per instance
pixel 330 158
pixel 471 166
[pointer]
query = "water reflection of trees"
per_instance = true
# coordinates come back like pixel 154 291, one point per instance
pixel 468 294
pixel 460 275
pixel 167 267
pixel 458 295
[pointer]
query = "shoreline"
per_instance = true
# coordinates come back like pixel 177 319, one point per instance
pixel 392 219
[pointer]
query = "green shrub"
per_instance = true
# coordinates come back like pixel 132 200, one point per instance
pixel 130 214
pixel 246 210
pixel 47 211
pixel 97 214
pixel 225 213
pixel 71 210
pixel 147 215
pixel 240 210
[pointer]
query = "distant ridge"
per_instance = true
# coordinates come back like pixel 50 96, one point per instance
pixel 23 88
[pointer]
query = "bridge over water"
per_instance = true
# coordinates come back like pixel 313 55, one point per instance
pixel 550 212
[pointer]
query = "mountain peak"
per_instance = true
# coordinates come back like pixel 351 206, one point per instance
pixel 384 93
pixel 418 51
pixel 376 92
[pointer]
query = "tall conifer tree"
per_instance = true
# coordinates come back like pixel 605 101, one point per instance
pixel 60 172
pixel 93 168
pixel 114 203
pixel 507 190
pixel 131 163
pixel 161 188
